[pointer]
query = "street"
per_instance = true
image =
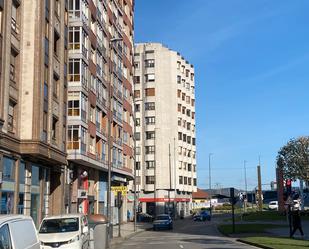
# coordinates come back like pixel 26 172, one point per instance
pixel 187 234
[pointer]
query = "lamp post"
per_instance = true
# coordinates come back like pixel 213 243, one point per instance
pixel 246 197
pixel 209 159
pixel 110 144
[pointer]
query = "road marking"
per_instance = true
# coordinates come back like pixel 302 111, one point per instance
pixel 181 246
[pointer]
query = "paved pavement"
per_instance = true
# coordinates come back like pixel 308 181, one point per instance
pixel 187 234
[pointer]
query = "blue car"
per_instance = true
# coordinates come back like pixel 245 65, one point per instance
pixel 163 221
pixel 202 216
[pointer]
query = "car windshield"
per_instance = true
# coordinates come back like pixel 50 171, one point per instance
pixel 162 217
pixel 59 225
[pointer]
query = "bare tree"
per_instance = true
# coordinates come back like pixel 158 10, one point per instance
pixel 293 159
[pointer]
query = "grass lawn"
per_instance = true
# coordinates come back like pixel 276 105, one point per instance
pixel 278 243
pixel 246 228
pixel 264 216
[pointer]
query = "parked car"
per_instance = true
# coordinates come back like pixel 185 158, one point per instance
pixel 163 221
pixel 65 231
pixel 144 217
pixel 18 232
pixel 202 216
pixel 273 205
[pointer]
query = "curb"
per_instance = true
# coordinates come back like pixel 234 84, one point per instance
pixel 253 244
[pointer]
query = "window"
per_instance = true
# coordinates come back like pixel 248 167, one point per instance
pixel 178 64
pixel 194 181
pixel 189 181
pixel 192 102
pixel 13 65
pixel 150 149
pixel 188 139
pixel 12 116
pixel 179 121
pixel 150 135
pixel 149 63
pixel 185 180
pixel 46 51
pixel 150 179
pixel 136 64
pixel 179 107
pixel 137 79
pixel 184 137
pixel 73 104
pixel 178 93
pixel 187 72
pixel 137 165
pixel 56 43
pixel 92 114
pixel 178 79
pixel 149 77
pixel 189 167
pixel 125 137
pixel 137 122
pixel 180 180
pixel 150 106
pixel 192 76
pixel 180 164
pixel 74 8
pixel 8 168
pixel 15 18
pixel 92 145
pixel 57 7
pixel 5 237
pixel 74 38
pixel 179 136
pixel 150 92
pixel 183 96
pixel 74 69
pixel 137 94
pixel 150 120
pixel 137 136
pixel 193 141
pixel 137 107
pixel 54 128
pixel 150 164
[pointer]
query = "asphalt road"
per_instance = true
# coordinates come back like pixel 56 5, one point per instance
pixel 187 234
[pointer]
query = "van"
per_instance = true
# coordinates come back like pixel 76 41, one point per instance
pixel 18 232
pixel 68 231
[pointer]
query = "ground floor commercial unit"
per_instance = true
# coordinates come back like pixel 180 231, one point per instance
pixel 31 185
pixel 88 187
pixel 164 202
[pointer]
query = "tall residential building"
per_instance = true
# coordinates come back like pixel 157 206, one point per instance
pixel 100 62
pixel 32 106
pixel 165 129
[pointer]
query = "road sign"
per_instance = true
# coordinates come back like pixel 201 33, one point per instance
pixel 122 189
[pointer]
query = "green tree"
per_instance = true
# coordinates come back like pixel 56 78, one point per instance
pixel 293 159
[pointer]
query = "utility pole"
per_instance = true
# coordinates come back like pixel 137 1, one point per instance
pixel 210 205
pixel 170 171
pixel 259 188
pixel 245 200
pixel 175 189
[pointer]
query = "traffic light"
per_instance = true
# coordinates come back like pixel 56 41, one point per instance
pixel 288 185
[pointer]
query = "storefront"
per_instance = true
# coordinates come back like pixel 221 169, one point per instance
pixel 25 188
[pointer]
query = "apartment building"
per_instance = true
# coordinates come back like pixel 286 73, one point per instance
pixel 100 79
pixel 33 45
pixel 165 129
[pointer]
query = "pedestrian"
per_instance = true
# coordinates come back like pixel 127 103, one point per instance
pixel 296 221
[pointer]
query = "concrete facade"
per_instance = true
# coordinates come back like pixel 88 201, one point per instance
pixel 100 79
pixel 32 107
pixel 165 129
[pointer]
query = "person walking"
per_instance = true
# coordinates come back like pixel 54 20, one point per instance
pixel 296 221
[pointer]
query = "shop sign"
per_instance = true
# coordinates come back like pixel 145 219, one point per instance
pixel 118 179
pixel 82 194
pixel 122 189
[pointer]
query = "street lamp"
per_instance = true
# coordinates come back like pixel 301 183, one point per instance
pixel 110 144
pixel 209 159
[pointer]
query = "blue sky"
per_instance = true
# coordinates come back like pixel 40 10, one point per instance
pixel 251 60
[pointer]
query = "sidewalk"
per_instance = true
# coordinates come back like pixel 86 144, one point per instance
pixel 127 231
pixel 285 231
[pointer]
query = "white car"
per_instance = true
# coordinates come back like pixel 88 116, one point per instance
pixel 273 205
pixel 64 231
pixel 18 232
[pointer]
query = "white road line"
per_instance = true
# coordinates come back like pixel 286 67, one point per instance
pixel 181 246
